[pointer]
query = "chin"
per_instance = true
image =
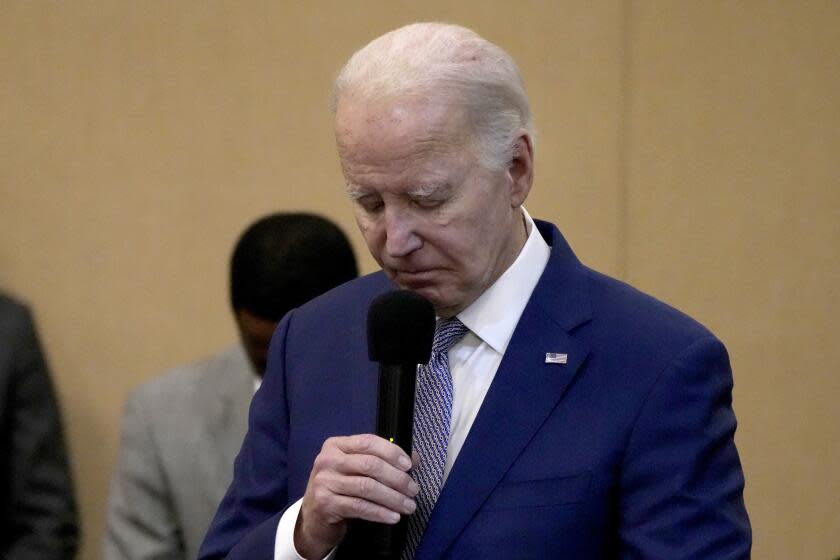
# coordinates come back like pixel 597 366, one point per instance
pixel 445 304
pixel 431 293
pixel 444 307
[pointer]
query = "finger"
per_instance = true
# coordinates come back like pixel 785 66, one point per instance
pixel 370 466
pixel 415 459
pixel 372 491
pixel 358 508
pixel 369 444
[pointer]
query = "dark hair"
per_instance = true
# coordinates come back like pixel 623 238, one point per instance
pixel 283 260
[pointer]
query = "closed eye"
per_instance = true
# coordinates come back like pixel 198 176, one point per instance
pixel 370 203
pixel 430 197
pixel 429 203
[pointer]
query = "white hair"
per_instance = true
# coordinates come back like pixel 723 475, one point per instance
pixel 426 58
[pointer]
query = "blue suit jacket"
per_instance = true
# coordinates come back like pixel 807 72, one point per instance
pixel 626 451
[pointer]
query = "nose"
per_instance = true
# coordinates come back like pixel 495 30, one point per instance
pixel 401 238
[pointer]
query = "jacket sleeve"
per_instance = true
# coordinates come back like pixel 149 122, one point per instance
pixel 245 525
pixel 141 522
pixel 681 488
pixel 41 518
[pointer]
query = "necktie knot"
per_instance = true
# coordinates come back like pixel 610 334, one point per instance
pixel 447 333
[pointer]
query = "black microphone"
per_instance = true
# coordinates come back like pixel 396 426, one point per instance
pixel 401 327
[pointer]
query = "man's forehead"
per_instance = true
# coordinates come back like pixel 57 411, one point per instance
pixel 401 119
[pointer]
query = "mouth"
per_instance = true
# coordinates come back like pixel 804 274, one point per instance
pixel 414 279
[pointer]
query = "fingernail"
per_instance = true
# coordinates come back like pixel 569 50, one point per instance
pixel 409 505
pixel 393 517
pixel 413 489
pixel 405 462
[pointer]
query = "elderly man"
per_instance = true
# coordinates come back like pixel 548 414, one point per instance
pixel 575 417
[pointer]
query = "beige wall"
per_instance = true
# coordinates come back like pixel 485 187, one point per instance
pixel 733 214
pixel 687 147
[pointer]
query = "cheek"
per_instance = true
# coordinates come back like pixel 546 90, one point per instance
pixel 476 258
pixel 481 229
pixel 459 248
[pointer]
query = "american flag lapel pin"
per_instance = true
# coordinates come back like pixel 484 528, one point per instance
pixel 555 358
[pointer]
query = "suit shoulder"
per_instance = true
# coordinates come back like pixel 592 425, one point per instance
pixel 10 306
pixel 15 316
pixel 638 317
pixel 351 299
pixel 181 385
pixel 634 337
pixel 20 348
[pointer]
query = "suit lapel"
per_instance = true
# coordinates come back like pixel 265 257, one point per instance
pixel 523 394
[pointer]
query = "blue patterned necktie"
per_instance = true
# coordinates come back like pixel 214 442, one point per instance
pixel 432 419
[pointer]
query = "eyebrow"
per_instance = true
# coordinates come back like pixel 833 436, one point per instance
pixel 355 192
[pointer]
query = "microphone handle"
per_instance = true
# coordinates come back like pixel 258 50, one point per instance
pixel 395 412
pixel 394 420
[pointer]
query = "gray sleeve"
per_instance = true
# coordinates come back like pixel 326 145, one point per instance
pixel 39 517
pixel 141 522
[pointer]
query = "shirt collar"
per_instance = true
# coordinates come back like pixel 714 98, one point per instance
pixel 494 315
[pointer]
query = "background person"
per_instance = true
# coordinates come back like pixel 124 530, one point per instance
pixel 37 504
pixel 181 431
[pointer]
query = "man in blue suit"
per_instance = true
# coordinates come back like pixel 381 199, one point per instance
pixel 583 418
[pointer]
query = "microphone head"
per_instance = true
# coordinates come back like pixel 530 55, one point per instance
pixel 401 327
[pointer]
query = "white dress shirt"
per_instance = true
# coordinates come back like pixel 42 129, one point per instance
pixel 473 361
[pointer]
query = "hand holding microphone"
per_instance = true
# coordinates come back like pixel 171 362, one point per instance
pixel 365 477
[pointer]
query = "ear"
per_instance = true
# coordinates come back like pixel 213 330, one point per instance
pixel 521 169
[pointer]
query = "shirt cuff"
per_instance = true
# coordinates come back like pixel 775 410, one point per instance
pixel 284 542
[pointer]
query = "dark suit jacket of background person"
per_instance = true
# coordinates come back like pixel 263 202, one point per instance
pixel 37 508
pixel 626 451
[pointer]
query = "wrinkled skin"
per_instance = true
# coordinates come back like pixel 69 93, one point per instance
pixel 438 224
